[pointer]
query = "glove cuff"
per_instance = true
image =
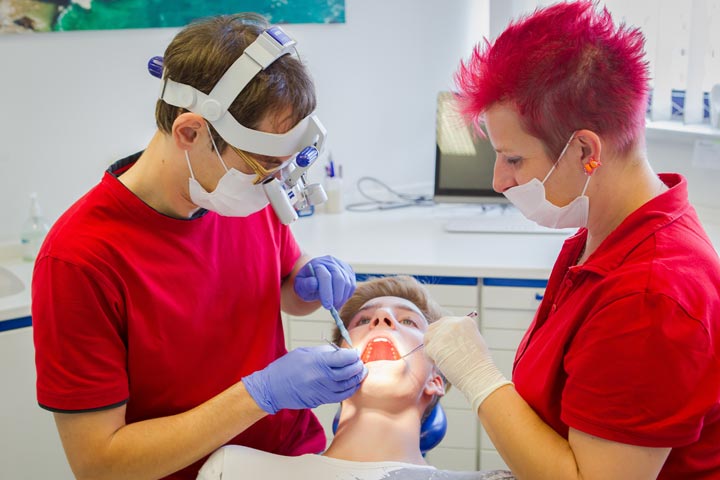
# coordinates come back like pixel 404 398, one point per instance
pixel 478 396
pixel 256 388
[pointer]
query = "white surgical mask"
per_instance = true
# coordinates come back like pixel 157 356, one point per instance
pixel 530 199
pixel 235 194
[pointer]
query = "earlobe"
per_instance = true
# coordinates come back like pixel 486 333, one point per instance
pixel 591 165
pixel 591 145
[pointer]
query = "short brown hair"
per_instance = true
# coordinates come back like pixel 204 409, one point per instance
pixel 201 53
pixel 401 286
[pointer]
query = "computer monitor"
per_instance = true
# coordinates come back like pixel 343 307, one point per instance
pixel 464 160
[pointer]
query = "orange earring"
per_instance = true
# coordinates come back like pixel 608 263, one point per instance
pixel 591 165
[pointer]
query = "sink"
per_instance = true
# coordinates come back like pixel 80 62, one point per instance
pixel 10 284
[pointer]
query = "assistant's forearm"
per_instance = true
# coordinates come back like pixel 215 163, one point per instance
pixel 528 445
pixel 155 448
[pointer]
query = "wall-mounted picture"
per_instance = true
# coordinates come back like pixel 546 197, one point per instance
pixel 62 15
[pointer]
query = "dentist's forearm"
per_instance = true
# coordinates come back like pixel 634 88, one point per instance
pixel 155 448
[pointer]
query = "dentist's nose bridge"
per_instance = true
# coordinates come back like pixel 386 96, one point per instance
pixel 383 318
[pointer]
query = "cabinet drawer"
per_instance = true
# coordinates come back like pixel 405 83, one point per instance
pixel 293 344
pixel 455 399
pixel 512 319
pixel 453 294
pixel 503 339
pixel 326 415
pixel 520 298
pixel 491 460
pixel 460 310
pixel 458 459
pixel 313 331
pixel 461 430
pixel 504 360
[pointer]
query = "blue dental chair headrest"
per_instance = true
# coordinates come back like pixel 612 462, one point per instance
pixel 432 430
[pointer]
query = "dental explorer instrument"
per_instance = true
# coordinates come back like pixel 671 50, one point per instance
pixel 472 314
pixel 331 343
pixel 336 316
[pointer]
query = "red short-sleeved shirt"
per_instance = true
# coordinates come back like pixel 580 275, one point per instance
pixel 626 347
pixel 132 306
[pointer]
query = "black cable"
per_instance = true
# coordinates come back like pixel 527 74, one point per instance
pixel 403 200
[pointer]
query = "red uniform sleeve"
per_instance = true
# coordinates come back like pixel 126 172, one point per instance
pixel 289 251
pixel 638 372
pixel 80 348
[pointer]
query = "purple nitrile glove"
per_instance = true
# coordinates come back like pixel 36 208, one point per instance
pixel 306 377
pixel 327 279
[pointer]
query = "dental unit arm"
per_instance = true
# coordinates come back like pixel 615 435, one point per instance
pixel 288 190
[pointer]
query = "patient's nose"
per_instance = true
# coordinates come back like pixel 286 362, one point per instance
pixel 382 319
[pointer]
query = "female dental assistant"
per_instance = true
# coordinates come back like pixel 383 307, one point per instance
pixel 618 376
pixel 157 295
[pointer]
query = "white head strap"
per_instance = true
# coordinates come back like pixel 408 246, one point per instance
pixel 270 45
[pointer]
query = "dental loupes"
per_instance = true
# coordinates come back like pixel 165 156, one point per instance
pixel 336 316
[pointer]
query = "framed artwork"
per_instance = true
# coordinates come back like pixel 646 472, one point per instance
pixel 63 15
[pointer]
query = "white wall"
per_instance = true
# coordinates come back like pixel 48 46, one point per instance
pixel 71 103
pixel 74 102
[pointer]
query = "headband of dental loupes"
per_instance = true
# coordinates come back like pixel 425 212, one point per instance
pixel 272 44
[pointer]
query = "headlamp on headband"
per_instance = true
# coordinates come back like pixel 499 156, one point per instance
pixel 287 190
pixel 270 45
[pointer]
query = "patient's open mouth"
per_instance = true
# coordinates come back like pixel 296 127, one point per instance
pixel 379 348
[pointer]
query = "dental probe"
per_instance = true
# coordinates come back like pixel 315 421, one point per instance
pixel 336 316
pixel 413 350
pixel 472 314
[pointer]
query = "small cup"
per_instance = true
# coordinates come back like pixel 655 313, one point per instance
pixel 333 189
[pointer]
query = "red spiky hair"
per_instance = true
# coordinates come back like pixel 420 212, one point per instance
pixel 564 67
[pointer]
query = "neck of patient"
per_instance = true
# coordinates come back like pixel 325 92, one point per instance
pixel 375 435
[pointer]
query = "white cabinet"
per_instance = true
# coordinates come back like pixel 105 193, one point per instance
pixel 30 447
pixel 508 307
pixel 458 450
pixel 458 295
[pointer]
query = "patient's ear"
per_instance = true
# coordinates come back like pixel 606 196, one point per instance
pixel 435 385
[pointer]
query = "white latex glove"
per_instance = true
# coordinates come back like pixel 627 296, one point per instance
pixel 461 354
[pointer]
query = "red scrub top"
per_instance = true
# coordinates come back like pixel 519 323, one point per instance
pixel 626 347
pixel 132 306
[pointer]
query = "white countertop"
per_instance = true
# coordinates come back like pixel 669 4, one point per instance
pixel 407 240
pixel 412 240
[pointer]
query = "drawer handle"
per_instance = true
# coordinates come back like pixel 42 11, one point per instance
pixel 539 297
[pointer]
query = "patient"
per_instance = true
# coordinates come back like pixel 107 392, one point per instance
pixel 378 433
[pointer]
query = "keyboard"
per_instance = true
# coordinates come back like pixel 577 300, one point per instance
pixel 501 224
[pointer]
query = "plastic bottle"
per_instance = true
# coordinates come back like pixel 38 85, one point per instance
pixel 34 230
